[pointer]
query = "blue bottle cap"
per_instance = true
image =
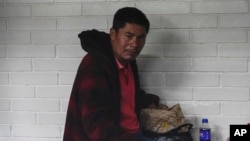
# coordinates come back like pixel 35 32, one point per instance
pixel 204 120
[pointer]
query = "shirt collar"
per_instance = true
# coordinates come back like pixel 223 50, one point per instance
pixel 120 66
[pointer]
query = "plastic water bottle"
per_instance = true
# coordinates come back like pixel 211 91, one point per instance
pixel 205 131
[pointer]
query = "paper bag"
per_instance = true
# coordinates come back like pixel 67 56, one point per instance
pixel 162 119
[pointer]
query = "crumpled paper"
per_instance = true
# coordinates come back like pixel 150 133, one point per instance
pixel 162 119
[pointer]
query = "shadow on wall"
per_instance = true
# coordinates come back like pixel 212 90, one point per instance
pixel 153 63
pixel 170 76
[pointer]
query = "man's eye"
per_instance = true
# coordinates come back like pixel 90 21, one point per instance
pixel 128 36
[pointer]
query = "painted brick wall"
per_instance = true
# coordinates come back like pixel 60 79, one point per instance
pixel 197 54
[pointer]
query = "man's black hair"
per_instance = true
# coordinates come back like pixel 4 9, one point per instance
pixel 130 15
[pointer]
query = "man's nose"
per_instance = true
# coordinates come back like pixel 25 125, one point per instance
pixel 134 42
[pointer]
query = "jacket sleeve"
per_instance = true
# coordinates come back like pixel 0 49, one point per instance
pixel 143 99
pixel 95 105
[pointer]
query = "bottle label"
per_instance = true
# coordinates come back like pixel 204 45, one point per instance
pixel 205 135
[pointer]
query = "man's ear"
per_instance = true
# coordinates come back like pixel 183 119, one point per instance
pixel 112 33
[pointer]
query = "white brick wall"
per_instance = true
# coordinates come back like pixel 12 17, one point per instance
pixel 197 54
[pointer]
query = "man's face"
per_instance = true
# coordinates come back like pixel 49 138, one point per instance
pixel 128 42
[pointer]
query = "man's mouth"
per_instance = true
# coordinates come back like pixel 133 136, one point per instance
pixel 132 52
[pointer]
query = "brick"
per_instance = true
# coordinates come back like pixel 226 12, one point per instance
pixel 3 24
pixel 35 131
pixel 34 78
pixel 5 130
pixel 79 0
pixel 164 65
pixel 55 37
pixel 189 21
pixel 4 78
pixel 17 139
pixel 15 65
pixel 157 36
pixel 197 108
pixel 53 139
pixel 57 10
pixel 67 78
pixel 172 93
pixel 235 79
pixel 70 51
pixel 110 21
pixel 164 7
pixel 31 51
pixel 31 24
pixel 222 94
pixel 220 65
pixel 28 1
pixel 152 51
pixel 3 51
pixel 80 23
pixel 53 91
pixel 234 50
pixel 62 134
pixel 236 108
pixel 51 118
pixel 152 79
pixel 17 92
pixel 17 118
pixel 4 105
pixel 248 65
pixel 64 105
pixel 15 11
pixel 155 21
pixel 14 37
pixel 192 79
pixel 38 105
pixel 221 35
pixel 248 37
pixel 56 64
pixel 220 7
pixel 190 50
pixel 103 8
pixel 234 20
